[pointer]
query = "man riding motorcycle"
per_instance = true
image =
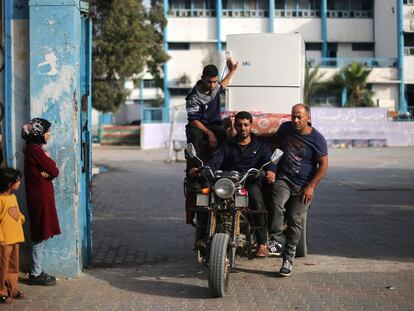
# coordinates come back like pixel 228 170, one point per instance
pixel 240 153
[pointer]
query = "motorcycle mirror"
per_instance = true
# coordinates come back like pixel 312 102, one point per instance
pixel 190 150
pixel 277 154
pixel 192 154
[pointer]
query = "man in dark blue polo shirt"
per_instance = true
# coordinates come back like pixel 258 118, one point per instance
pixel 203 108
pixel 304 163
pixel 240 153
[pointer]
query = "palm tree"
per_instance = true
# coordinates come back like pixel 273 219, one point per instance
pixel 312 82
pixel 354 78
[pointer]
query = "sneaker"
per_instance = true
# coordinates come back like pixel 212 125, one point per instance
pixel 42 279
pixel 6 299
pixel 275 248
pixel 287 267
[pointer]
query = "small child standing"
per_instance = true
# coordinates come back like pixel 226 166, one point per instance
pixel 11 234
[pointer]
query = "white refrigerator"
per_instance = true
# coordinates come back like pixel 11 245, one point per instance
pixel 270 75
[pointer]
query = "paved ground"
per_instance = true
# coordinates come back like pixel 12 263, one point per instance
pixel 360 241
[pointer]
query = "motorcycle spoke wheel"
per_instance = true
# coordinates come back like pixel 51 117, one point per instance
pixel 219 268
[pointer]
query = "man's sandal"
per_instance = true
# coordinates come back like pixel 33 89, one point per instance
pixel 6 299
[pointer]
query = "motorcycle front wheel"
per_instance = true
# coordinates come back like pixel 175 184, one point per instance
pixel 219 268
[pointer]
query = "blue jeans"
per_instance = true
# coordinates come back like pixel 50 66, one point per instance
pixel 37 257
pixel 286 202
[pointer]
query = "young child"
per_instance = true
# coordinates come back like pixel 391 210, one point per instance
pixel 11 234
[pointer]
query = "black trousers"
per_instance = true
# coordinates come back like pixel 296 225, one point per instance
pixel 197 137
pixel 256 202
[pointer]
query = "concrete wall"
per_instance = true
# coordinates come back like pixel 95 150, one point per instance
pixel 409 69
pixel 243 25
pixel 197 29
pixel 362 124
pixel 385 28
pixel 350 30
pixel 55 94
pixel 309 28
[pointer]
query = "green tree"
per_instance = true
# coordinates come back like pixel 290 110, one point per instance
pixel 127 38
pixel 354 78
pixel 312 82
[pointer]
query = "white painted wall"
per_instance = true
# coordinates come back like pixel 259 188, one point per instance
pixel 383 75
pixel 191 29
pixel 313 54
pixel 155 135
pixel 350 30
pixel 309 28
pixel 190 62
pixel 243 25
pixel 148 93
pixel 386 95
pixel 385 28
pixel 409 69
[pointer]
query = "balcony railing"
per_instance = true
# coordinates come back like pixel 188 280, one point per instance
pixel 244 13
pixel 192 13
pixel 298 13
pixel 409 51
pixel 348 14
pixel 376 62
pixel 285 13
pixel 397 116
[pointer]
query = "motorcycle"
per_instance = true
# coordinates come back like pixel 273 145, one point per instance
pixel 229 229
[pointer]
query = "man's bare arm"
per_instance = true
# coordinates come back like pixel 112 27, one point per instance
pixel 212 140
pixel 232 65
pixel 308 191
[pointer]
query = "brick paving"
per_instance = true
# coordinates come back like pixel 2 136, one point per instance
pixel 360 241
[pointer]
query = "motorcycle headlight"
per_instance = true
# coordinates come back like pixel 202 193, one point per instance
pixel 224 188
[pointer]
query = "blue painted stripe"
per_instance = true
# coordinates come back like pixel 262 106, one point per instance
pixel 271 16
pixel 141 92
pixel 219 13
pixel 166 114
pixel 324 28
pixel 8 130
pixel 400 41
pixel 89 203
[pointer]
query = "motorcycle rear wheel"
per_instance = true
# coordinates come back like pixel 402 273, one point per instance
pixel 219 268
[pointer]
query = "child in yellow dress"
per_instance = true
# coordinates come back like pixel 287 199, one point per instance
pixel 11 234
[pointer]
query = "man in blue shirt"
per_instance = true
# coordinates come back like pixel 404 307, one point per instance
pixel 240 153
pixel 203 108
pixel 304 163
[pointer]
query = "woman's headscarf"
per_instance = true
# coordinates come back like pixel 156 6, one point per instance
pixel 34 130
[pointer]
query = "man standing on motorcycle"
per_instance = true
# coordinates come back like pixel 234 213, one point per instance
pixel 241 153
pixel 302 166
pixel 203 108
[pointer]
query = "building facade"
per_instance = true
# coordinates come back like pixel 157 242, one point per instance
pixel 379 34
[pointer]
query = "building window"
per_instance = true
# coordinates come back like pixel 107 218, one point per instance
pixel 178 46
pixel 313 46
pixel 350 8
pixel 240 8
pixel 301 8
pixel 363 46
pixel 149 84
pixel 194 8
